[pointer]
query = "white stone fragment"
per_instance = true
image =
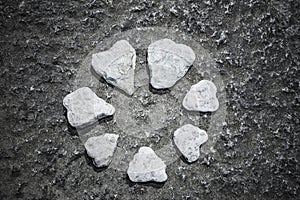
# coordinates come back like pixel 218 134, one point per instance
pixel 84 107
pixel 202 97
pixel 101 149
pixel 117 65
pixel 147 166
pixel 168 62
pixel 188 139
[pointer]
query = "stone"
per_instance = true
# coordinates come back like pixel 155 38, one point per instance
pixel 117 65
pixel 101 149
pixel 85 108
pixel 147 166
pixel 168 62
pixel 188 140
pixel 202 97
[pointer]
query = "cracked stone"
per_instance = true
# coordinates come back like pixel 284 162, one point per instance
pixel 117 65
pixel 168 62
pixel 147 166
pixel 101 149
pixel 202 97
pixel 85 108
pixel 188 140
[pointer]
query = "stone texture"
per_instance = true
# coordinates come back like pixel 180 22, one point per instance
pixel 147 166
pixel 168 62
pixel 101 149
pixel 202 97
pixel 117 65
pixel 84 107
pixel 188 139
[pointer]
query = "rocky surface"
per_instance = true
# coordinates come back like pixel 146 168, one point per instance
pixel 147 166
pixel 255 44
pixel 101 148
pixel 201 97
pixel 168 62
pixel 85 108
pixel 117 65
pixel 188 140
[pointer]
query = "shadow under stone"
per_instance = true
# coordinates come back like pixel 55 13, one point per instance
pixel 149 184
pixel 90 162
pixel 159 91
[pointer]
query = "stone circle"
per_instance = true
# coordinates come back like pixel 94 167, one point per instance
pixel 140 39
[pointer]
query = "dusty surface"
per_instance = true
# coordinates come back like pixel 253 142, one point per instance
pixel 255 46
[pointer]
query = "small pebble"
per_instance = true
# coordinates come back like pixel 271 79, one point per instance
pixel 101 149
pixel 117 65
pixel 168 62
pixel 188 140
pixel 85 108
pixel 202 97
pixel 147 166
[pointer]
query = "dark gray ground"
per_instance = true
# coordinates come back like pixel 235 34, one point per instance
pixel 43 44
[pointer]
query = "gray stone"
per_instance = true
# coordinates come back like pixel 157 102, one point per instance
pixel 117 65
pixel 147 166
pixel 202 97
pixel 168 62
pixel 101 149
pixel 188 140
pixel 84 107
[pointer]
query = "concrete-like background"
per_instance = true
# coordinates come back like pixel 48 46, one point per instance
pixel 43 44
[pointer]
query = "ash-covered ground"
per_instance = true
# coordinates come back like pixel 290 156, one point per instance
pixel 255 47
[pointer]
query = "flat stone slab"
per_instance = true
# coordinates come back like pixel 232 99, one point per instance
pixel 101 149
pixel 117 65
pixel 168 62
pixel 147 166
pixel 202 97
pixel 188 140
pixel 85 108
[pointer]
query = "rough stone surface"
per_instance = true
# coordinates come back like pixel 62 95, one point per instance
pixel 117 65
pixel 168 62
pixel 43 45
pixel 84 107
pixel 101 149
pixel 202 97
pixel 147 166
pixel 188 139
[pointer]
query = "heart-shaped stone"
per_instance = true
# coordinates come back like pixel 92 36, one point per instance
pixel 117 65
pixel 202 97
pixel 101 149
pixel 188 140
pixel 147 166
pixel 168 62
pixel 85 108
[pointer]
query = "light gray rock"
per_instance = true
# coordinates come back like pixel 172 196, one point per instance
pixel 117 65
pixel 147 166
pixel 188 139
pixel 168 62
pixel 84 107
pixel 101 149
pixel 202 97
